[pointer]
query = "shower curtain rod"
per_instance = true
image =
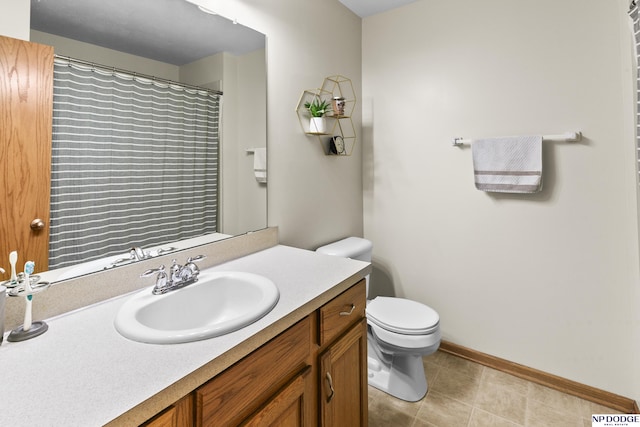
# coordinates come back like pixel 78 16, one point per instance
pixel 133 73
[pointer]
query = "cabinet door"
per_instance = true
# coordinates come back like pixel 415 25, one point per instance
pixel 286 408
pixel 238 391
pixel 26 102
pixel 178 415
pixel 343 379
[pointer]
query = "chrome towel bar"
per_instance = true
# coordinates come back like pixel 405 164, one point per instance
pixel 565 137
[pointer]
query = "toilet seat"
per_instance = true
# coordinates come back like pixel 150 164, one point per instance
pixel 396 343
pixel 402 316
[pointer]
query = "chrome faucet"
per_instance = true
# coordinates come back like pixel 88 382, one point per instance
pixel 179 275
pixel 136 253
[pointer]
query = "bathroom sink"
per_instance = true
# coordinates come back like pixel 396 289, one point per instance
pixel 218 303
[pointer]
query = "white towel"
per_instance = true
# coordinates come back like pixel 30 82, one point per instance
pixel 260 164
pixel 508 165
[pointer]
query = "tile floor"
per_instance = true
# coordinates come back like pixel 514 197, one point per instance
pixel 462 393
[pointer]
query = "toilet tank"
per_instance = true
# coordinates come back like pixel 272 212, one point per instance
pixel 351 247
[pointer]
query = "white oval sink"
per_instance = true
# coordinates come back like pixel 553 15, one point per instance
pixel 218 303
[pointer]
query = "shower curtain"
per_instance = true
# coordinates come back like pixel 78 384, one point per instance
pixel 134 163
pixel 633 13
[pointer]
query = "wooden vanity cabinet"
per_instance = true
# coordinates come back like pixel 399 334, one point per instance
pixel 342 360
pixel 314 373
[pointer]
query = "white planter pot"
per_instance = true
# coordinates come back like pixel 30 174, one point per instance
pixel 317 125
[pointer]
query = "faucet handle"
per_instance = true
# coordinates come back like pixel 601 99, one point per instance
pixel 137 253
pixel 161 285
pixel 192 266
pixel 195 258
pixel 159 270
pixel 165 250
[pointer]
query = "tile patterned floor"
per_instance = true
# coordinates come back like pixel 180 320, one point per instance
pixel 463 393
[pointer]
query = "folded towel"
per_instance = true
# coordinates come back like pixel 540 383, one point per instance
pixel 508 165
pixel 260 164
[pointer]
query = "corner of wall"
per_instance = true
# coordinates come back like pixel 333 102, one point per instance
pixel 15 19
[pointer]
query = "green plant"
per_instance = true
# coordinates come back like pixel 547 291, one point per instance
pixel 318 107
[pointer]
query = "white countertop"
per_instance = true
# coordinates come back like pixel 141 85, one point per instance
pixel 81 372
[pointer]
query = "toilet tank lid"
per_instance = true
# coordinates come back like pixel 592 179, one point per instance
pixel 346 248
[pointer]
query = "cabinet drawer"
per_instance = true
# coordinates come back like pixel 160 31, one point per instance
pixel 341 312
pixel 239 390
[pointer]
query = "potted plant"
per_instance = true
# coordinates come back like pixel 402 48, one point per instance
pixel 317 108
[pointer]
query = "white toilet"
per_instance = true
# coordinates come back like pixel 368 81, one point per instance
pixel 400 332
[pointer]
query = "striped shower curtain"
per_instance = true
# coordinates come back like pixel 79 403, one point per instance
pixel 633 13
pixel 134 163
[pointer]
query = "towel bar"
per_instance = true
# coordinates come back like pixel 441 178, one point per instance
pixel 565 137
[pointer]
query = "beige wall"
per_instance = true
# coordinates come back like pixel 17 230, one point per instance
pixel 15 19
pixel 547 280
pixel 243 199
pixel 100 55
pixel 252 99
pixel 206 72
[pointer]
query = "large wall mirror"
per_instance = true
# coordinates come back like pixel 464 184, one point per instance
pixel 178 41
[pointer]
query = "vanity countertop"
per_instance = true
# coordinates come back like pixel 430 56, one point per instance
pixel 81 372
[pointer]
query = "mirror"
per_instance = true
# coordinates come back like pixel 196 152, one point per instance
pixel 178 41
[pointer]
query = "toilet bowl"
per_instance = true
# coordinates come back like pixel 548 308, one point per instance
pixel 399 332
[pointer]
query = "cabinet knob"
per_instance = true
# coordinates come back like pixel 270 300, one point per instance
pixel 37 224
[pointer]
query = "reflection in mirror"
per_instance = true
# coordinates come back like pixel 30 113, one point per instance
pixel 177 41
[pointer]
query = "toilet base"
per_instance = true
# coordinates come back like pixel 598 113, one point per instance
pixel 401 376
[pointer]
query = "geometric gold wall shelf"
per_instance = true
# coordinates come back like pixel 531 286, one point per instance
pixel 309 96
pixel 338 121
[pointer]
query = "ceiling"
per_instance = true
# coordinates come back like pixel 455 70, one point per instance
pixel 364 8
pixel 171 31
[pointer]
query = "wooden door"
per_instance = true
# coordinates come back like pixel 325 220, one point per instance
pixel 26 102
pixel 343 380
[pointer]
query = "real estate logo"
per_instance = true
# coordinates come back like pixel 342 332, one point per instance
pixel 615 420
